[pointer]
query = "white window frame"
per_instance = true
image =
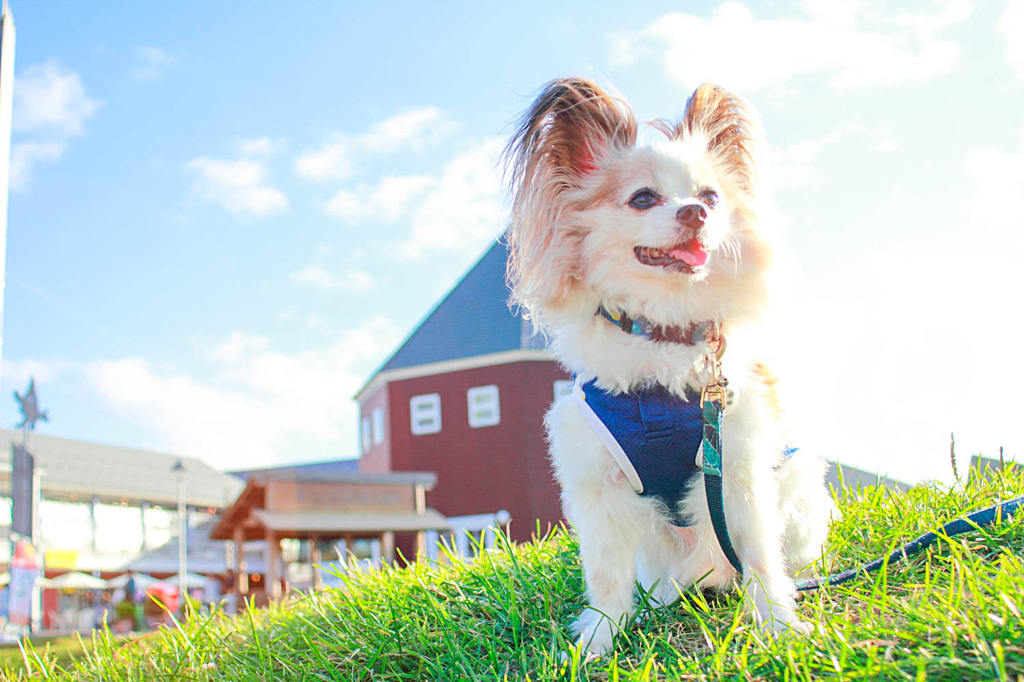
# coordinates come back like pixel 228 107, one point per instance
pixel 365 434
pixel 476 420
pixel 378 425
pixel 432 403
pixel 562 388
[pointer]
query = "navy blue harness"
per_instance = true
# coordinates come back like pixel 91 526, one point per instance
pixel 659 433
pixel 655 436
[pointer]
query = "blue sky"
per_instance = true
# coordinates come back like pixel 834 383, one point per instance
pixel 225 215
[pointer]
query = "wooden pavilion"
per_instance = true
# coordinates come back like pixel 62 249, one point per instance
pixel 316 507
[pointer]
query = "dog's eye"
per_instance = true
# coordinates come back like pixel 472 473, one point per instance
pixel 709 197
pixel 644 199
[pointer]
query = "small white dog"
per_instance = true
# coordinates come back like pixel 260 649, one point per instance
pixel 637 261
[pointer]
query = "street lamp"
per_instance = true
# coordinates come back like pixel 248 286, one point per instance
pixel 179 470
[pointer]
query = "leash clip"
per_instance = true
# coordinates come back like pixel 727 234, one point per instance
pixel 716 388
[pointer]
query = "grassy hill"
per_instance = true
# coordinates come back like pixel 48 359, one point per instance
pixel 951 613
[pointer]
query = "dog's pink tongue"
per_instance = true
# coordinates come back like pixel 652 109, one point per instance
pixel 693 255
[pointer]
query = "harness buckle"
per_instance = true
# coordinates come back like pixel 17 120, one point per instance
pixel 714 392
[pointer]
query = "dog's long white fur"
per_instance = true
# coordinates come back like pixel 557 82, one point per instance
pixel 575 165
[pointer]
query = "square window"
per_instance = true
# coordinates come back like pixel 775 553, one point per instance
pixel 563 387
pixel 365 433
pixel 425 414
pixel 482 402
pixel 378 426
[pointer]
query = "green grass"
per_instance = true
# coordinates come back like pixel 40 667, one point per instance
pixel 62 649
pixel 951 613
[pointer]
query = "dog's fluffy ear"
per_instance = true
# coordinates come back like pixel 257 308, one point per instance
pixel 559 141
pixel 731 129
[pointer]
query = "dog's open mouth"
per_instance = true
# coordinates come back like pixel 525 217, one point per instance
pixel 688 257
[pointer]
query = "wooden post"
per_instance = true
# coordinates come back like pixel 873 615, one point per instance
pixel 241 577
pixel 421 508
pixel 349 545
pixel 273 562
pixel 314 559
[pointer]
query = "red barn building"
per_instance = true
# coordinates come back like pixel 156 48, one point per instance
pixel 464 396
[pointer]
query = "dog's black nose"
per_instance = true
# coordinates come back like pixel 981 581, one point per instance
pixel 692 216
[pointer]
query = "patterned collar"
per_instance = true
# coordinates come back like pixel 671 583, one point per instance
pixel 690 335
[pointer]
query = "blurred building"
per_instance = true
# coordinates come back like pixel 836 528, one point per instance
pixel 103 505
pixel 464 396
pixel 311 511
pixel 107 509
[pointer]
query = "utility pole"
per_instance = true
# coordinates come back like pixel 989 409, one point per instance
pixel 179 470
pixel 6 106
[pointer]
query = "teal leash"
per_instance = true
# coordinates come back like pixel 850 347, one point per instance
pixel 712 401
pixel 973 521
pixel 712 408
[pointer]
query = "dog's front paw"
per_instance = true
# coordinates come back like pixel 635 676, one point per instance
pixel 788 626
pixel 595 632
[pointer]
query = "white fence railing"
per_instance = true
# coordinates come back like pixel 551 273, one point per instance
pixel 467 533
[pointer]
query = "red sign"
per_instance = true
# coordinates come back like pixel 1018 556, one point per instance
pixel 24 572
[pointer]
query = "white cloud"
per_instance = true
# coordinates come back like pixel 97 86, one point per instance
pixel 332 161
pixel 385 202
pixel 153 62
pixel 413 130
pixel 463 209
pixel 255 406
pixel 881 53
pixel 834 12
pixel 17 373
pixel 238 185
pixel 260 146
pixel 49 99
pixel 317 276
pixel 50 107
pixel 1011 27
pixel 24 156
pixel 950 13
pixel 918 337
pixel 792 167
pixel 239 344
pixel 458 208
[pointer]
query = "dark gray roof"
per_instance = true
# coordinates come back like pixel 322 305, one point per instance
pixel 340 471
pixel 855 478
pixel 987 466
pixel 424 478
pixel 312 469
pixel 79 469
pixel 472 319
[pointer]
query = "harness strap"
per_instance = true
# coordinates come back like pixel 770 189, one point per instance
pixel 712 450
